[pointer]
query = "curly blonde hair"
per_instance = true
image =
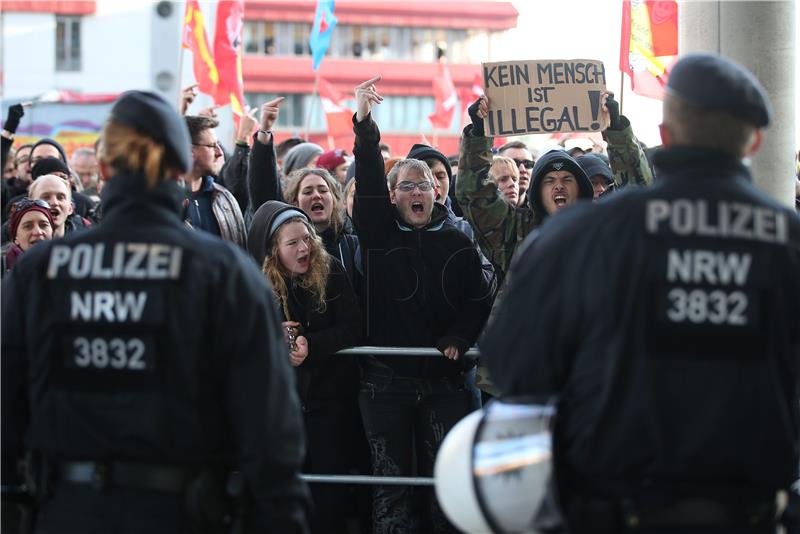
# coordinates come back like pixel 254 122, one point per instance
pixel 313 280
pixel 292 191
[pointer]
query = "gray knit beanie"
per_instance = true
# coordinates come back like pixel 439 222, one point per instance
pixel 299 156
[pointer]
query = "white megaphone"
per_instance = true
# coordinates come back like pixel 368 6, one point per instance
pixel 493 467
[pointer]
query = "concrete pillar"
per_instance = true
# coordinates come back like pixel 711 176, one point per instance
pixel 760 35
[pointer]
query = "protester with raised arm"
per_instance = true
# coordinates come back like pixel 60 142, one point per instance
pixel 424 288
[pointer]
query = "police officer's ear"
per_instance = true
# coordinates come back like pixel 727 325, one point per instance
pixel 755 142
pixel 666 137
pixel 105 168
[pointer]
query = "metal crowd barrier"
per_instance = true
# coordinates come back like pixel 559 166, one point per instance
pixel 401 351
pixel 367 350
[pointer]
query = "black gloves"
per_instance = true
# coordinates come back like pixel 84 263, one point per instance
pixel 477 122
pixel 613 112
pixel 15 113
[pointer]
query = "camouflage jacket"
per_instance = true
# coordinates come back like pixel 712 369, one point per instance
pixel 499 226
pixel 628 160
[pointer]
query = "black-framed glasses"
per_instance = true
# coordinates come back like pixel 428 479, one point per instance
pixel 407 186
pixel 212 146
pixel 528 164
pixel 27 203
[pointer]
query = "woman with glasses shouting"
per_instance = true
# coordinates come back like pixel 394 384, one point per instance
pixel 30 221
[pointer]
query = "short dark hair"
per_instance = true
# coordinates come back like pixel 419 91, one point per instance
pixel 693 126
pixel 198 124
pixel 512 144
pixel 286 145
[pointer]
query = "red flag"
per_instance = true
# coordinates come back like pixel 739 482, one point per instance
pixel 338 117
pixel 468 95
pixel 228 54
pixel 195 39
pixel 649 44
pixel 445 94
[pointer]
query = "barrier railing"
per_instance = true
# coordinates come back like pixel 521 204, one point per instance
pixel 367 350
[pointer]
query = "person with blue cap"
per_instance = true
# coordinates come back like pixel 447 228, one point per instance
pixel 144 366
pixel 676 379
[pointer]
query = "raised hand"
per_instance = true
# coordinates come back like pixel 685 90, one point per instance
pixel 609 109
pixel 187 97
pixel 366 96
pixel 269 113
pixel 478 111
pixel 247 125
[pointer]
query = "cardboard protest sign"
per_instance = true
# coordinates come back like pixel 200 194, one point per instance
pixel 544 96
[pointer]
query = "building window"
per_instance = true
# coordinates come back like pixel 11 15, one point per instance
pixel 376 43
pixel 68 43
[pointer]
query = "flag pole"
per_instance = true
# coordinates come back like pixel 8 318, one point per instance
pixel 313 102
pixel 180 78
pixel 621 91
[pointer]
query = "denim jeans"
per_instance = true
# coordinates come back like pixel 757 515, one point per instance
pixel 406 420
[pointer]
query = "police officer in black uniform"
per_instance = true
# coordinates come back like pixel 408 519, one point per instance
pixel 143 362
pixel 677 372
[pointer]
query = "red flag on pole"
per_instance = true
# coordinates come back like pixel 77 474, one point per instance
pixel 468 95
pixel 195 39
pixel 228 54
pixel 445 94
pixel 649 44
pixel 338 117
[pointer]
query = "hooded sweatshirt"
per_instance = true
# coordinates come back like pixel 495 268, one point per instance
pixel 425 286
pixel 322 377
pixel 556 160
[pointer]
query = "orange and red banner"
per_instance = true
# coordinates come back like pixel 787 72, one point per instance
pixel 195 39
pixel 228 54
pixel 649 44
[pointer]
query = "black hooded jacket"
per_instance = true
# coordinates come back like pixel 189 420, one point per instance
pixel 323 377
pixel 552 161
pixel 424 287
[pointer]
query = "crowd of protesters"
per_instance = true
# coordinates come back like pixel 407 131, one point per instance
pixel 361 249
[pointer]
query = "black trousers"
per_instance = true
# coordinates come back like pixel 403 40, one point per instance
pixel 78 509
pixel 406 420
pixel 334 440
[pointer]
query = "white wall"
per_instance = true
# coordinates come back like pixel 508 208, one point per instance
pixel 29 55
pixel 116 49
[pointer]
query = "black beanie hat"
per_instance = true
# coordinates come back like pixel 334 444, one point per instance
pixel 48 166
pixel 151 115
pixel 556 160
pixel 594 165
pixel 52 142
pixel 266 220
pixel 423 152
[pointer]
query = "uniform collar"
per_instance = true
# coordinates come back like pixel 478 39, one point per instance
pixel 125 190
pixel 712 163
